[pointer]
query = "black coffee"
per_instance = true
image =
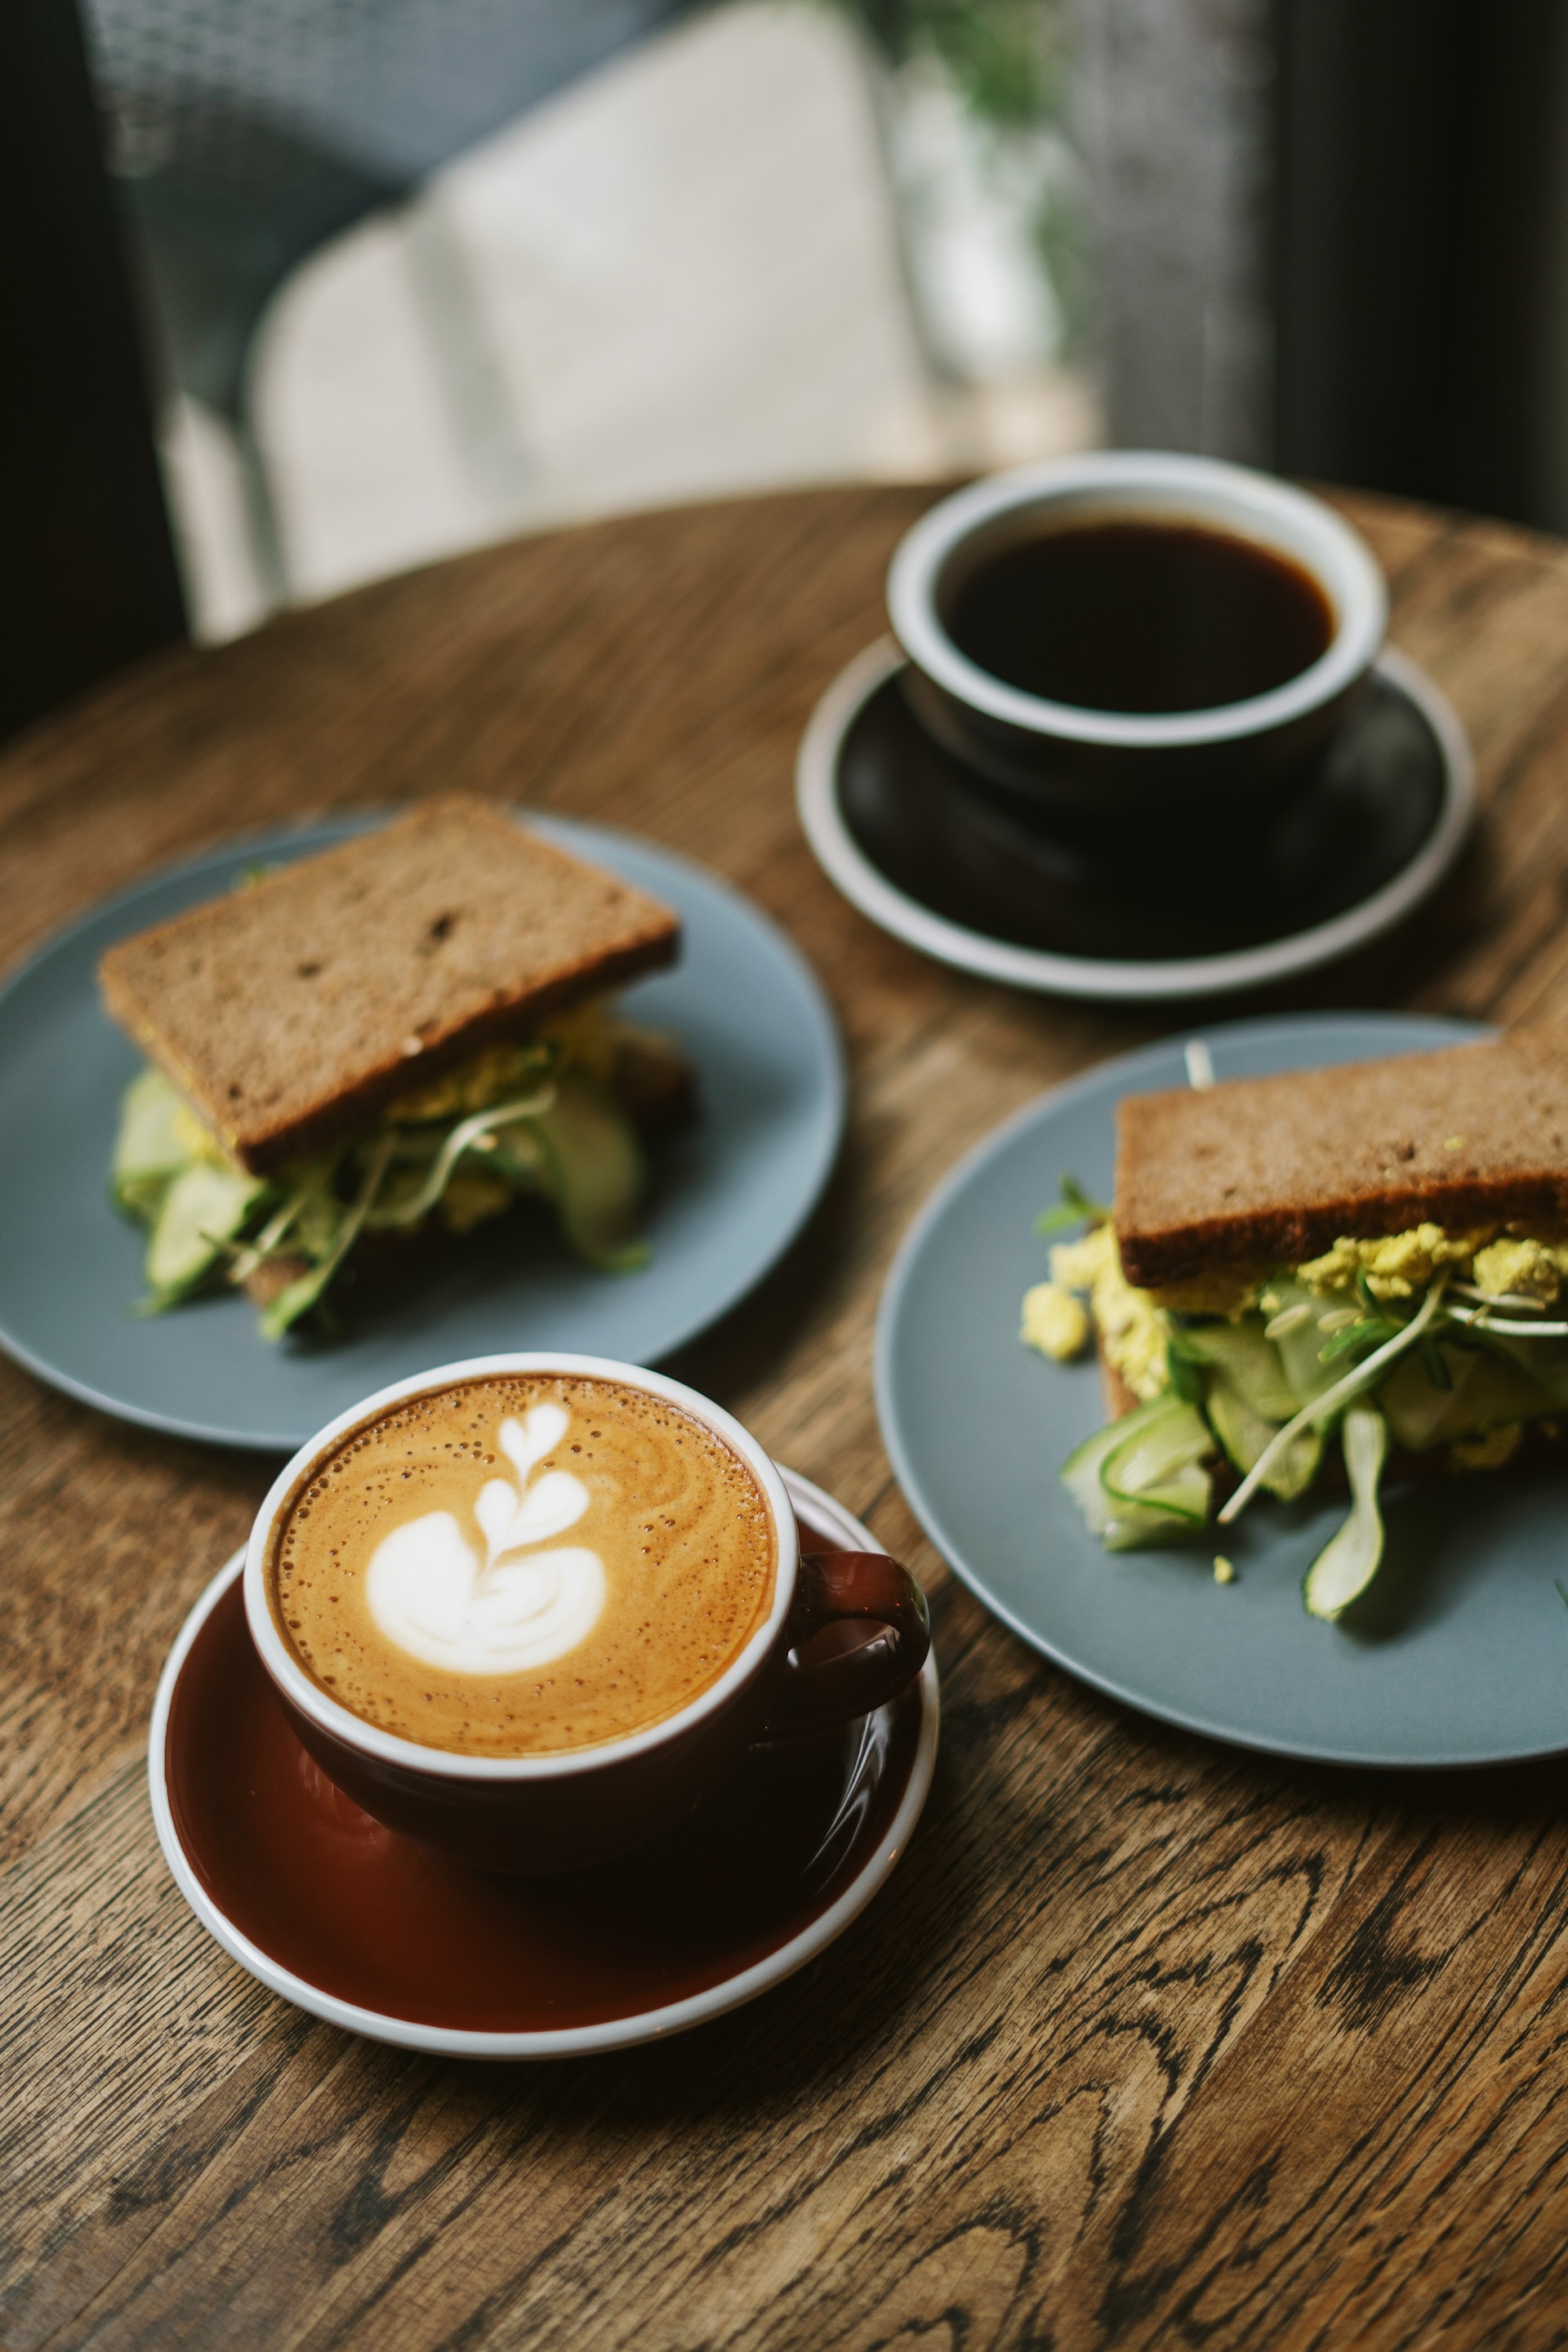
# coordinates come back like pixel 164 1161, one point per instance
pixel 1136 615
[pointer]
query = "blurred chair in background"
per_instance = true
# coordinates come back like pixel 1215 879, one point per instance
pixel 1331 234
pixel 677 279
pixel 248 133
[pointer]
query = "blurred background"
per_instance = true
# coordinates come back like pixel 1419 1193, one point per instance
pixel 623 254
pixel 313 290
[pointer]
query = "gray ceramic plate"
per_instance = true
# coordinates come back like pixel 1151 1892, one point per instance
pixel 729 1196
pixel 1459 1654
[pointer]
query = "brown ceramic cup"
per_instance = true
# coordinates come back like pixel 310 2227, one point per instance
pixel 807 1667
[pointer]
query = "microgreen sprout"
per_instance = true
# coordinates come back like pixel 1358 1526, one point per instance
pixel 1323 1408
pixel 1074 1208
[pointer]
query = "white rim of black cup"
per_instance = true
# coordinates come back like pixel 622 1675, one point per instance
pixel 1148 483
pixel 354 1732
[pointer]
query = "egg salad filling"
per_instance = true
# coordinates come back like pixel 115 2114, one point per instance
pixel 1427 1339
pixel 538 1117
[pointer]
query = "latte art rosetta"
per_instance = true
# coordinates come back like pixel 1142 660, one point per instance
pixel 522 1564
pixel 430 1593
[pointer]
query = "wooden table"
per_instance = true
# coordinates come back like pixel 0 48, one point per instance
pixel 1147 2042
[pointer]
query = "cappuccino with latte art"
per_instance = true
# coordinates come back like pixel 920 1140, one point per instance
pixel 522 1565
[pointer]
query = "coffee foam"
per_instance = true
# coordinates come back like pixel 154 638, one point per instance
pixel 416 1576
pixel 435 1596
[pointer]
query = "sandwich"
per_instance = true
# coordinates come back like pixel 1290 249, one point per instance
pixel 400 1037
pixel 1320 1277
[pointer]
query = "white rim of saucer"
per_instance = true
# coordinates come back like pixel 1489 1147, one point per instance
pixel 1132 483
pixel 1107 979
pixel 570 2042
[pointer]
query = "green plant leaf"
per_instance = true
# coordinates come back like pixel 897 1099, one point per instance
pixel 1074 1208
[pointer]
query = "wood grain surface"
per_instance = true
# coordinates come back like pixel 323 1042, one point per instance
pixel 1147 2042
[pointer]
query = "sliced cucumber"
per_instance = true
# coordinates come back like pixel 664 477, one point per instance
pixel 1081 1473
pixel 1156 1465
pixel 1159 1491
pixel 1300 1347
pixel 1485 1391
pixel 1188 1379
pixel 1298 1466
pixel 1349 1560
pixel 1137 1526
pixel 1544 1361
pixel 1247 1362
pixel 519 1156
pixel 1246 1435
pixel 413 1199
pixel 317 1206
pixel 204 1207
pixel 1121 1527
pixel 1349 1388
pixel 148 1151
pixel 593 1169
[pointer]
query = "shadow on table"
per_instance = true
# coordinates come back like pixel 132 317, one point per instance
pixel 792 2041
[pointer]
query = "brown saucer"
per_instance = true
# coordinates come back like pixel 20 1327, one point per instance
pixel 375 1933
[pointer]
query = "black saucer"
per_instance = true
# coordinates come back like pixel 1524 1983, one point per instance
pixel 912 834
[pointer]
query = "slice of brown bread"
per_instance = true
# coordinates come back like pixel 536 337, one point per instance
pixel 1273 1170
pixel 289 1012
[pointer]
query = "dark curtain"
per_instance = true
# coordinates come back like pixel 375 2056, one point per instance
pixel 1420 267
pixel 86 559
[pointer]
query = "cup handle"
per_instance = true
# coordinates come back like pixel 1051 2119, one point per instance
pixel 831 1587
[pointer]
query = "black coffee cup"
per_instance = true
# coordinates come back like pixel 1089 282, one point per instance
pixel 1053 757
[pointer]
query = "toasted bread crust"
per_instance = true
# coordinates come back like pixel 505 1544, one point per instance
pixel 291 1012
pixel 1275 1170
